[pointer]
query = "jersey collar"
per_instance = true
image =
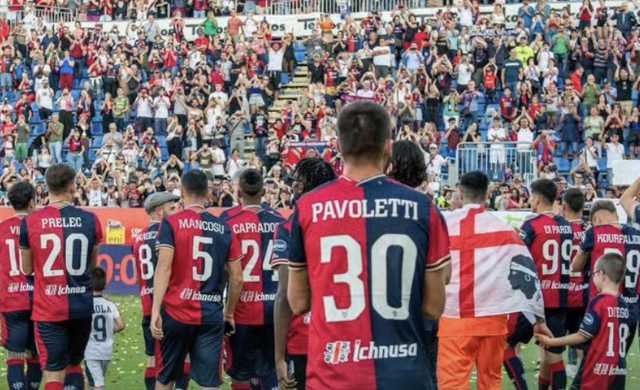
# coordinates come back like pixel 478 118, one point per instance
pixel 363 181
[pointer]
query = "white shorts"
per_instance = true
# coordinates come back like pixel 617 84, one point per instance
pixel 96 371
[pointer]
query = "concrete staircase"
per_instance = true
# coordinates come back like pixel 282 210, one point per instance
pixel 291 91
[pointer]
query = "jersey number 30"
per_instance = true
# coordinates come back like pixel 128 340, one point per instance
pixel 352 278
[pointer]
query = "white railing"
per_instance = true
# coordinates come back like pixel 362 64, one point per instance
pixel 51 15
pixel 287 7
pixel 495 158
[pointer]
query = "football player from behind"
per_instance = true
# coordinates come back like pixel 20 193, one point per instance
pixel 197 255
pixel 158 206
pixel 605 236
pixel 15 296
pixel 605 326
pixel 578 295
pixel 291 332
pixel 549 238
pixel 59 245
pixel 105 323
pixel 253 225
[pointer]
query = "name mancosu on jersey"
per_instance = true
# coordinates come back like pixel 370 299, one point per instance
pixel 252 227
pixel 56 289
pixel 207 226
pixel 363 208
pixel 189 294
pixel 62 222
pixel 618 239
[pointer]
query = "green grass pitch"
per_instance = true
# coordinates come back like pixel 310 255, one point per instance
pixel 127 367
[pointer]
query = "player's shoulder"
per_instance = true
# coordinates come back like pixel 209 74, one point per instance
pixel 11 221
pixel 630 230
pixel 270 211
pixel 231 213
pixel 321 192
pixel 532 219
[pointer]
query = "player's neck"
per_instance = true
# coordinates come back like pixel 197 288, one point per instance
pixel 362 172
pixel 195 204
pixel 610 289
pixel 573 217
pixel 548 210
pixel 61 200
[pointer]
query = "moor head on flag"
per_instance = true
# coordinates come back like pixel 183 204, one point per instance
pixel 523 277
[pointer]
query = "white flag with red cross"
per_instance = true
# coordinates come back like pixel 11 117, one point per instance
pixel 492 272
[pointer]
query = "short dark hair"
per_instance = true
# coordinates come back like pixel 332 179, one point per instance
pixel 363 129
pixel 251 182
pixel 574 198
pixel 603 205
pixel 613 265
pixel 20 195
pixel 407 164
pixel 195 183
pixel 474 185
pixel 312 172
pixel 59 177
pixel 99 279
pixel 545 188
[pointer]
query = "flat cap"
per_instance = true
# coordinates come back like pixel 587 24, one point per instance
pixel 157 199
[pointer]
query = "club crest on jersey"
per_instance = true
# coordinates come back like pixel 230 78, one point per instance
pixel 337 352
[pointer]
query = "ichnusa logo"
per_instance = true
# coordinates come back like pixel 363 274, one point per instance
pixel 338 352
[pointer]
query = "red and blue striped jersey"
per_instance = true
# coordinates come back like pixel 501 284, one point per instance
pixel 624 240
pixel 578 281
pixel 607 323
pixel 366 247
pixel 550 241
pixel 254 228
pixel 202 244
pixel 16 289
pixel 298 335
pixel 146 255
pixel 61 241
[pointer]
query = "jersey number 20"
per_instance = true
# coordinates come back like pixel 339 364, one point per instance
pixel 76 264
pixel 352 278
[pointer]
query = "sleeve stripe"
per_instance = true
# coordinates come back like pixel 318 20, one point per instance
pixel 439 264
pixel 235 259
pixel 165 246
pixel 279 261
pixel 585 333
pixel 297 265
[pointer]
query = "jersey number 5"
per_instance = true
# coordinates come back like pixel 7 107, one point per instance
pixel 76 264
pixel 352 278
pixel 205 256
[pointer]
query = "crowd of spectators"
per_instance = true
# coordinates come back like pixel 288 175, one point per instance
pixel 133 111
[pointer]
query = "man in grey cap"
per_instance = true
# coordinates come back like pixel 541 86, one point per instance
pixel 158 205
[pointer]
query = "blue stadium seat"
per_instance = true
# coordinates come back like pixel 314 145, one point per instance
pixel 602 165
pixel 562 164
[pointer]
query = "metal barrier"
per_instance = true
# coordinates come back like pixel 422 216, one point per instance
pixel 495 158
pixel 51 15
